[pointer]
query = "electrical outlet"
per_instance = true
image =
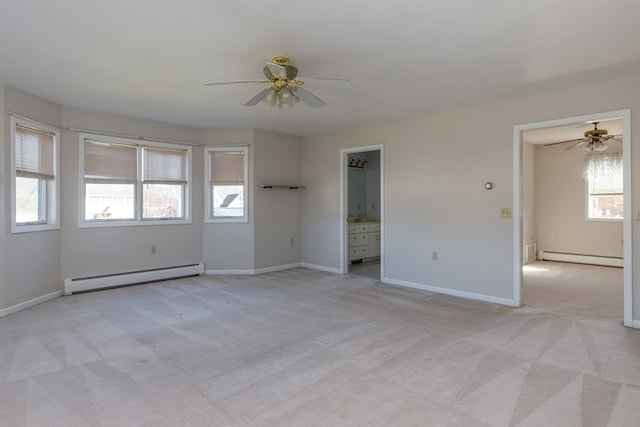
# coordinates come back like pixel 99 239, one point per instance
pixel 153 249
pixel 505 212
pixel 434 256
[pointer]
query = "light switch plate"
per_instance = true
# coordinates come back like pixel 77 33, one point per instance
pixel 505 212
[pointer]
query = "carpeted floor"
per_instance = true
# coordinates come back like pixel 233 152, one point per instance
pixel 577 289
pixel 308 348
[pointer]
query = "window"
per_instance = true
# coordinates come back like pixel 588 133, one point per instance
pixel 164 181
pixel 126 183
pixel 226 197
pixel 604 177
pixel 35 182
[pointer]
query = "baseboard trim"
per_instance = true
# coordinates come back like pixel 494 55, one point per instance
pixel 321 268
pixel 253 271
pixel 452 292
pixel 26 304
pixel 581 259
pixel 635 324
pixel 277 268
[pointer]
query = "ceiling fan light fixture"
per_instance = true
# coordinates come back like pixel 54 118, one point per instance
pixel 596 145
pixel 271 97
pixel 599 146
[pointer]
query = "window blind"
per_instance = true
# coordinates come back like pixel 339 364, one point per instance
pixel 109 161
pixel 227 167
pixel 166 166
pixel 34 153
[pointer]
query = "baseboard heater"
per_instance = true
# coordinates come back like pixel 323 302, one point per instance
pixel 581 259
pixel 84 284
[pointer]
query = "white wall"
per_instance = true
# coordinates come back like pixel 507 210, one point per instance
pixel 31 260
pixel 230 246
pixel 107 250
pixel 277 216
pixel 373 184
pixel 435 169
pixel 274 214
pixel 561 208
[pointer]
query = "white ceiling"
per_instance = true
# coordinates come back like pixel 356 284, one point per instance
pixel 150 58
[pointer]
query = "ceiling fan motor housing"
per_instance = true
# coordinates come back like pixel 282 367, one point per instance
pixel 595 133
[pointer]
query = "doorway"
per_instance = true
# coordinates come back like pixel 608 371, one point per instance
pixel 362 206
pixel 522 198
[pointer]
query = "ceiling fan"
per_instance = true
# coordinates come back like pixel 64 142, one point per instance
pixel 594 140
pixel 285 86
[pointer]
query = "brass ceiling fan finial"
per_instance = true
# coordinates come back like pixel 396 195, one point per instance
pixel 280 60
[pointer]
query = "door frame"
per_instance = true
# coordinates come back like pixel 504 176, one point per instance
pixel 628 211
pixel 344 203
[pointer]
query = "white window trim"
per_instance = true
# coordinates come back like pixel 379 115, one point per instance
pixel 53 187
pixel 587 201
pixel 208 212
pixel 82 223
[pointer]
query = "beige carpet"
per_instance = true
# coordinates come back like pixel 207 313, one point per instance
pixel 577 289
pixel 307 348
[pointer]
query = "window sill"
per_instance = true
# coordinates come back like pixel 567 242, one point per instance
pixel 31 228
pixel 110 224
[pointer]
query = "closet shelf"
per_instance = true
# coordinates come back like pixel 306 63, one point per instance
pixel 290 187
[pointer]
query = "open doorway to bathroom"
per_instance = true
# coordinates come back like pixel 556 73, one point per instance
pixel 362 227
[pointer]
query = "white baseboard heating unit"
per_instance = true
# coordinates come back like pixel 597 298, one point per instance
pixel 529 253
pixel 83 284
pixel 581 259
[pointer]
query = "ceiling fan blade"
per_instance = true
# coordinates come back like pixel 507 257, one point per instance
pixel 267 73
pixel 275 70
pixel 309 98
pixel 256 99
pixel 577 144
pixel 569 140
pixel 328 83
pixel 233 82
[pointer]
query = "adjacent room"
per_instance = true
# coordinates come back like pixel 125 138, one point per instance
pixel 573 243
pixel 329 213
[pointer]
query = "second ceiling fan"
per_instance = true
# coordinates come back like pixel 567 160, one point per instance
pixel 285 87
pixel 594 140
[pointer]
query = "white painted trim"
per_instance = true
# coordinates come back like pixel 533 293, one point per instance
pixel 321 268
pixel 344 194
pixel 208 214
pixel 277 268
pixel 517 216
pixel 52 194
pixel 452 292
pixel 228 272
pixel 635 324
pixel 26 304
pixel 581 259
pixel 627 224
pixel 264 270
pixel 138 220
pixel 628 203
